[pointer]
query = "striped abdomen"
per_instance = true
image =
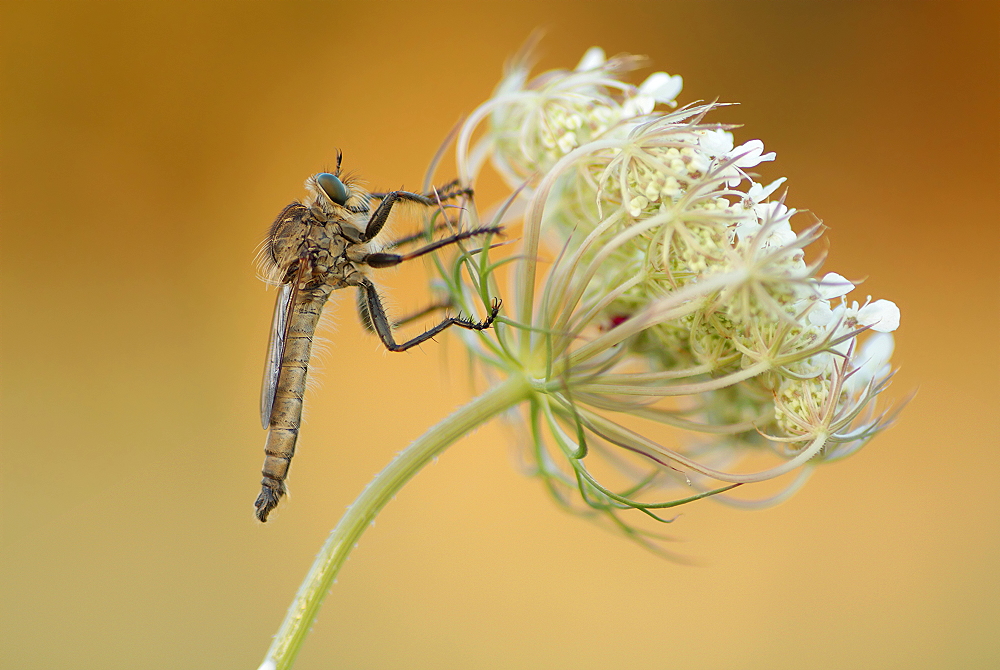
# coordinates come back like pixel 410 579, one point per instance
pixel 286 414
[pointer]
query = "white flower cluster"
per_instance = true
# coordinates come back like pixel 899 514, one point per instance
pixel 677 280
pixel 559 111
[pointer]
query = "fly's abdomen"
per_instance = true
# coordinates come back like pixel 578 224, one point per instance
pixel 286 414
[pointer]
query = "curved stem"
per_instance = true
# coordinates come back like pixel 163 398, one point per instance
pixel 360 515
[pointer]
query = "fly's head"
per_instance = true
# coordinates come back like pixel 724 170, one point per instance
pixel 339 198
pixel 332 217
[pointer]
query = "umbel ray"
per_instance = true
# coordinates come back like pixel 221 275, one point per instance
pixel 314 248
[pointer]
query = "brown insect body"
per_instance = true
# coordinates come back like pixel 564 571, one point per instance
pixel 312 249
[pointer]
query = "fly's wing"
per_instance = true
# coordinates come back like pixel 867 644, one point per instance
pixel 278 256
pixel 275 351
pixel 279 336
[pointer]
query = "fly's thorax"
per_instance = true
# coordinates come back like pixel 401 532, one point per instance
pixel 327 241
pixel 334 257
pixel 288 235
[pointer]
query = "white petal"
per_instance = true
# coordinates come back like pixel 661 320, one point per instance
pixel 640 105
pixel 877 351
pixel 746 229
pixel 832 285
pixel 780 234
pixel 881 315
pixel 661 87
pixel 871 361
pixel 593 59
pixel 716 142
pixel 771 212
pixel 821 314
pixel 750 154
pixel 757 193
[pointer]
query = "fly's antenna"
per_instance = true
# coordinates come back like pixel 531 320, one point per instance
pixel 340 158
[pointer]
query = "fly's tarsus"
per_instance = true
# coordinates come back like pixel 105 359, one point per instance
pixel 473 324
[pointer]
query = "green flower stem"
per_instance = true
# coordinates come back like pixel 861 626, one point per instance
pixel 360 515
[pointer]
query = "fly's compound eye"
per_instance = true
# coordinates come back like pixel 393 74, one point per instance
pixel 333 187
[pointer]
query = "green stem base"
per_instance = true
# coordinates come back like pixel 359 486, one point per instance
pixel 359 516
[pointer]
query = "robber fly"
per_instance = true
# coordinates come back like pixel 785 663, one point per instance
pixel 313 248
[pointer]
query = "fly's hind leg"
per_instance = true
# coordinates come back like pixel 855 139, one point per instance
pixel 430 309
pixel 366 319
pixel 373 315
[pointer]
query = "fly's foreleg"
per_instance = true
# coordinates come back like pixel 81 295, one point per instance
pixel 381 214
pixel 452 189
pixel 383 328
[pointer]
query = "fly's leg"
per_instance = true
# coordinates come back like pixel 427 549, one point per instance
pixel 444 192
pixel 383 328
pixel 441 195
pixel 416 237
pixel 383 259
pixel 366 319
pixel 430 309
pixel 372 313
pixel 381 214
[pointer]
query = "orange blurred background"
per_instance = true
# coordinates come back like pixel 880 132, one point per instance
pixel 147 146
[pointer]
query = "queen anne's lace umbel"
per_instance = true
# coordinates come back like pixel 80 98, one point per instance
pixel 673 289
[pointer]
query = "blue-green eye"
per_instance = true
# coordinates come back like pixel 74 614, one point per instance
pixel 333 187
